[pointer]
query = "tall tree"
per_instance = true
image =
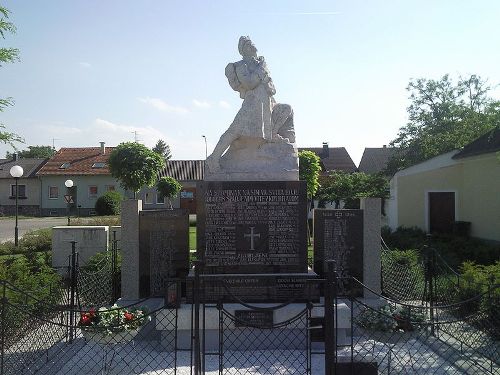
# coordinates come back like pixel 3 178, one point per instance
pixel 35 152
pixel 7 55
pixel 343 186
pixel 443 116
pixel 135 165
pixel 163 149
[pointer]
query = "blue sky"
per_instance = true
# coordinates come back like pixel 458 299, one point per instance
pixel 98 70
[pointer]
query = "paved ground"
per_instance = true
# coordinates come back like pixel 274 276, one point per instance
pixel 7 225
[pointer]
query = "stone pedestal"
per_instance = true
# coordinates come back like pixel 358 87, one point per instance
pixel 371 239
pixel 210 321
pixel 130 248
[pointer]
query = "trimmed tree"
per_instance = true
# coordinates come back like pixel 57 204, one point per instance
pixel 168 187
pixel 309 168
pixel 135 166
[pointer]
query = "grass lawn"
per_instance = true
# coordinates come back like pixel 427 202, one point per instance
pixel 192 238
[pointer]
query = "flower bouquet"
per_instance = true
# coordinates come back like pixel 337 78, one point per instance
pixel 112 325
pixel 391 324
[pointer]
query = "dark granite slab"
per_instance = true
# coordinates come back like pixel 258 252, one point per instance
pixel 163 249
pixel 338 235
pixel 255 288
pixel 250 227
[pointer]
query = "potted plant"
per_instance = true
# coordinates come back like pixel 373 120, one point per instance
pixel 112 325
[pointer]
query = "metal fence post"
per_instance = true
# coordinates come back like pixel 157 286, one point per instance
pixel 114 267
pixel 3 323
pixel 329 318
pixel 73 286
pixel 432 282
pixel 196 301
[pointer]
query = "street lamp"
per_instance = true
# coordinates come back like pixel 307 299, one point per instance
pixel 206 151
pixel 16 171
pixel 68 184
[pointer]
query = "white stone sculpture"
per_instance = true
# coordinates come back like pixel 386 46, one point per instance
pixel 260 143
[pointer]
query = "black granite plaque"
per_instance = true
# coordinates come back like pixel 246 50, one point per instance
pixel 163 250
pixel 338 235
pixel 268 288
pixel 252 226
pixel 254 318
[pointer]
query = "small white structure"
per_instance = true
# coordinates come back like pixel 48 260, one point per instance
pixel 90 240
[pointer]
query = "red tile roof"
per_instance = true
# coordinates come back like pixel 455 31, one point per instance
pixel 333 158
pixel 80 161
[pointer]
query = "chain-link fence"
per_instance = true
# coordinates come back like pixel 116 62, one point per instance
pixel 413 327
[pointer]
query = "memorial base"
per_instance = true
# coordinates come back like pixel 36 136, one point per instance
pixel 255 288
pixel 209 321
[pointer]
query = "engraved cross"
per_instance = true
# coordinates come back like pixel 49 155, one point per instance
pixel 252 235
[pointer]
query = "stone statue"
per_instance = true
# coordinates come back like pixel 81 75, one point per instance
pixel 262 133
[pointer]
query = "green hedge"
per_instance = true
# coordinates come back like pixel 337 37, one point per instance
pixel 454 249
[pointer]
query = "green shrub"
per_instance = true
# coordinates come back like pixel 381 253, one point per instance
pixel 97 261
pixel 37 240
pixel 405 238
pixel 108 203
pixel 454 249
pixel 484 281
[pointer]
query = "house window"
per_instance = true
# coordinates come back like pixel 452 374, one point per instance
pixel 187 195
pixel 92 191
pixel 53 192
pixel 21 189
pixel 98 165
pixel 160 199
pixel 148 198
pixel 65 165
pixel 110 188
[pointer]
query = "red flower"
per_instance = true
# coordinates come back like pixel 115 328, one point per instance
pixel 92 312
pixel 128 316
pixel 85 320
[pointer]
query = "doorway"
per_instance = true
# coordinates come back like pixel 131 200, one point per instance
pixel 441 212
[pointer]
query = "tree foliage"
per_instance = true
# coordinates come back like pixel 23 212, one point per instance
pixel 443 116
pixel 168 187
pixel 35 152
pixel 135 165
pixel 7 55
pixel 344 186
pixel 163 149
pixel 309 168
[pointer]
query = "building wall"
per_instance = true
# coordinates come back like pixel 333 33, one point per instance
pixel 413 191
pixel 82 183
pixel 29 206
pixel 480 200
pixel 475 182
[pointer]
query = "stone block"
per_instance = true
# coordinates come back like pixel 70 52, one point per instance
pixel 90 240
pixel 130 248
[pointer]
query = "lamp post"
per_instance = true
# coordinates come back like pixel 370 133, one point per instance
pixel 206 150
pixel 68 184
pixel 16 171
